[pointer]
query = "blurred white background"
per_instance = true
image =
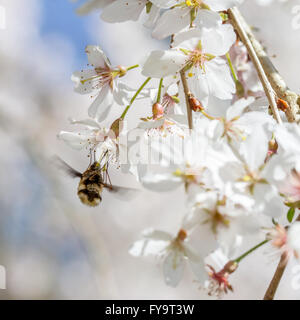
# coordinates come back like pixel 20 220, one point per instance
pixel 50 244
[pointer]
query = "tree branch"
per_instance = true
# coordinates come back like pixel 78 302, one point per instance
pixel 270 293
pixel 234 16
pixel 281 89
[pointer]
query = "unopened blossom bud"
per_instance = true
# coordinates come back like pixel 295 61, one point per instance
pixel 240 91
pixel 175 99
pixel 282 105
pixel 230 267
pixel 116 127
pixel 182 235
pixel 122 71
pixel 273 147
pixel 157 110
pixel 195 104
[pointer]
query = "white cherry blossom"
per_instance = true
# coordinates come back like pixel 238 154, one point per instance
pixel 182 14
pixel 175 250
pixel 130 10
pixel 101 80
pixel 198 53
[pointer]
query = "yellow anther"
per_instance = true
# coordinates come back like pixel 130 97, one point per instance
pixel 188 3
pixel 190 74
pixel 177 173
pixel 247 178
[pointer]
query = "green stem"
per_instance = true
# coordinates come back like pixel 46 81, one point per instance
pixel 231 67
pixel 132 67
pixel 159 90
pixel 238 260
pixel 134 97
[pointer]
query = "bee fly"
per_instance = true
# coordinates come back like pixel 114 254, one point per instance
pixel 92 182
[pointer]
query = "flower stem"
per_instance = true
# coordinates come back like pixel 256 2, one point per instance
pixel 134 97
pixel 240 258
pixel 187 93
pixel 235 20
pixel 132 67
pixel 208 116
pixel 159 90
pixel 231 67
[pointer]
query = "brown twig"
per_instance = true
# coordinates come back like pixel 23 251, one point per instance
pixel 278 84
pixel 187 94
pixel 270 293
pixel 234 16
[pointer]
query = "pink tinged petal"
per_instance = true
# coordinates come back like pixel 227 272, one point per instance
pixel 219 80
pixel 99 109
pixel 147 247
pixel 123 10
pixel 80 85
pixel 173 267
pixel 163 63
pixel 172 21
pixel 218 41
pixel 76 140
pixel 219 5
pixel 96 57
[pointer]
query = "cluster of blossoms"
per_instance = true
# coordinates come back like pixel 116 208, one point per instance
pixel 240 169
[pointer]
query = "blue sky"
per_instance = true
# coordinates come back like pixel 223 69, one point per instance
pixel 59 17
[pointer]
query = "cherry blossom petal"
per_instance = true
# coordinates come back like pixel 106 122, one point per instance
pixel 147 247
pixel 76 140
pixel 96 57
pixel 121 10
pixel 207 19
pixel 163 63
pixel 100 107
pixel 220 5
pixel 238 108
pixel 157 235
pixel 83 87
pixel 171 21
pixel 219 81
pixel 218 41
pixel 173 267
pixel 165 4
pixel 153 16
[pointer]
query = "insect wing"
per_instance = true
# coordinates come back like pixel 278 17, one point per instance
pixel 122 193
pixel 61 164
